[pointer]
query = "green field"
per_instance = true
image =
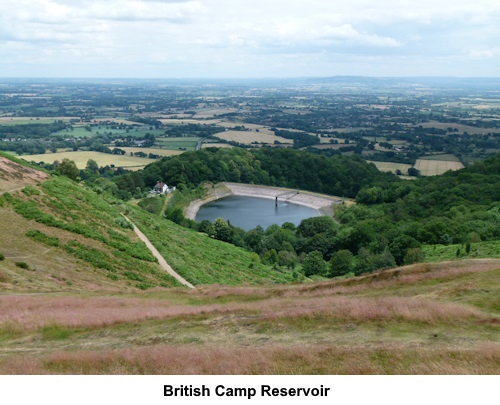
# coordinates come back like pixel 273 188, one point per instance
pixel 79 131
pixel 29 120
pixel 441 157
pixel 176 143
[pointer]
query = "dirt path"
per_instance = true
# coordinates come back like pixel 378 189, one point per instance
pixel 160 258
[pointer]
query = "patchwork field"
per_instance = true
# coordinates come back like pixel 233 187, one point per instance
pixel 182 121
pixel 178 143
pixel 444 157
pixel 80 158
pixel 31 120
pixel 79 131
pixel 213 112
pixel 459 127
pixel 332 145
pixel 215 145
pixel 155 151
pixel 391 167
pixel 248 137
pixel 327 140
pixel 436 167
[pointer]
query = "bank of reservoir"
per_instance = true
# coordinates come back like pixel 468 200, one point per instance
pixel 248 212
pixel 320 204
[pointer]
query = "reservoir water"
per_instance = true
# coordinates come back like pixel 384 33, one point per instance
pixel 248 212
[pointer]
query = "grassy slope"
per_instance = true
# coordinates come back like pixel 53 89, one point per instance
pixel 438 253
pixel 76 230
pixel 429 318
pixel 68 227
pixel 202 260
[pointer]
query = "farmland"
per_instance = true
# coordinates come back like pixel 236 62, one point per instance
pixel 215 145
pixel 81 158
pixel 435 167
pixel 250 137
pixel 30 120
pixel 392 167
pixel 403 281
pixel 393 125
pixel 155 151
pixel 177 143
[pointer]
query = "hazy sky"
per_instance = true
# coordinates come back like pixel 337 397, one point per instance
pixel 248 38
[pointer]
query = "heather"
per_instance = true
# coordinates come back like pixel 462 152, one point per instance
pixel 420 319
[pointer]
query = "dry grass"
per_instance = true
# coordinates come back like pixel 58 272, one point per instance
pixel 213 112
pixel 23 312
pixel 156 151
pixel 436 167
pixel 14 176
pixel 391 167
pixel 413 320
pixel 248 137
pixel 81 158
pixel 323 359
pixel 215 145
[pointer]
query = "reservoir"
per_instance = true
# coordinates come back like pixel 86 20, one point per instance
pixel 248 212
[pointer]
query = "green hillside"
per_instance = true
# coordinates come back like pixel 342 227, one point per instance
pixel 203 260
pixel 58 234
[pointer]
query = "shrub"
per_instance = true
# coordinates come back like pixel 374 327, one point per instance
pixel 4 278
pixel 133 276
pixel 416 255
pixel 2 257
pixel 30 190
pixel 123 223
pixel 341 263
pixel 314 264
pixel 41 237
pixel 22 265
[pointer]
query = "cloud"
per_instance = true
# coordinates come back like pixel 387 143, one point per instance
pixel 203 37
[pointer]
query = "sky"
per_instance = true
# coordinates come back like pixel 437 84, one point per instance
pixel 248 38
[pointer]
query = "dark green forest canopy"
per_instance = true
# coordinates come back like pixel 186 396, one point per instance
pixel 388 226
pixel 440 209
pixel 336 175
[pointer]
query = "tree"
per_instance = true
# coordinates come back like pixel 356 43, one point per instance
pixel 68 168
pixel 413 172
pixel 400 245
pixel 341 263
pixel 92 166
pixel 416 255
pixel 314 264
pixel 175 215
pixel 221 230
pixel 205 226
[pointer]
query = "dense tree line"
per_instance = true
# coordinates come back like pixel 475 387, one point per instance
pixel 336 175
pixel 387 227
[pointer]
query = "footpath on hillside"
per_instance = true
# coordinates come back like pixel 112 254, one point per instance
pixel 162 262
